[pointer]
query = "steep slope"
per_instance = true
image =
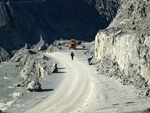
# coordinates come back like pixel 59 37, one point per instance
pixel 27 21
pixel 123 48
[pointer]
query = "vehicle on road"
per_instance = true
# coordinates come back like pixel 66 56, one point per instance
pixel 73 44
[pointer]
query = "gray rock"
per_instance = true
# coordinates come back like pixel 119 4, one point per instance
pixel 4 55
pixel 59 47
pixel 83 46
pixel 19 85
pixel 147 92
pixel 54 68
pixel 34 86
pixel 45 58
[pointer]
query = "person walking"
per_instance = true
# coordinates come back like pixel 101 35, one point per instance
pixel 72 55
pixel 89 60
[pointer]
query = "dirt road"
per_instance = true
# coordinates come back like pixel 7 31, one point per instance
pixel 71 92
pixel 84 91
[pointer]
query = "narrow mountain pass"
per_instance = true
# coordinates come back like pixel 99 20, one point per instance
pixel 71 92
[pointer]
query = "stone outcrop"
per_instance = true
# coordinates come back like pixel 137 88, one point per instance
pixel 4 55
pixel 125 43
pixel 32 68
pixel 31 64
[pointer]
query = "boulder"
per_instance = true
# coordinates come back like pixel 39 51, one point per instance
pixel 147 92
pixel 45 58
pixel 54 68
pixel 59 47
pixel 34 86
pixel 19 85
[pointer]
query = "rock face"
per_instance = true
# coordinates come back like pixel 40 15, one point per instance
pixel 126 44
pixel 26 21
pixel 4 55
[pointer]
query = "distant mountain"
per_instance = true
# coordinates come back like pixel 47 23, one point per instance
pixel 24 21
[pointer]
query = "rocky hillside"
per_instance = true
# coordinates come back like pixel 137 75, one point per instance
pixel 29 21
pixel 123 49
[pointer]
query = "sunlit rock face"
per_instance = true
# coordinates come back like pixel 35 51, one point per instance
pixel 126 43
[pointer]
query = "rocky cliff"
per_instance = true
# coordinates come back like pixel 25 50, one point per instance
pixel 123 49
pixel 28 21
